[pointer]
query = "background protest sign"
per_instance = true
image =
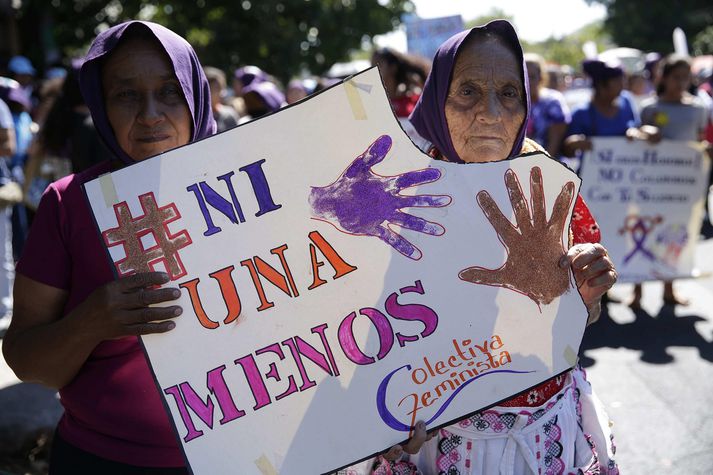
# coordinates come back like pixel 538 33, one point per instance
pixel 425 35
pixel 339 285
pixel 648 201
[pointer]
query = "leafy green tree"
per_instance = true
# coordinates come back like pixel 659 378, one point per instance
pixel 648 24
pixel 284 37
pixel 703 42
pixel 568 49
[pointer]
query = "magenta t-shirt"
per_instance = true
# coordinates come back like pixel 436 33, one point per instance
pixel 112 407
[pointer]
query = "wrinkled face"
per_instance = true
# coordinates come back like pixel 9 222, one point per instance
pixel 485 107
pixel 677 81
pixel 144 100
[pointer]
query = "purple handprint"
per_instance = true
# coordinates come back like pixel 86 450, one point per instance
pixel 364 203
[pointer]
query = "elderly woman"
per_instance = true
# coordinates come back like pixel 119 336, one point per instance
pixel 474 109
pixel 74 326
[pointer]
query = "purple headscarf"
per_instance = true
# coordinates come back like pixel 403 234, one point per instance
pixel 269 93
pixel 186 66
pixel 429 115
pixel 249 74
pixel 12 92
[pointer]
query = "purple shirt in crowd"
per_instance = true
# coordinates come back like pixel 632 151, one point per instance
pixel 551 108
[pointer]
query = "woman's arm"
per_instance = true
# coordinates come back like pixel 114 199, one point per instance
pixel 555 138
pixel 41 346
pixel 574 143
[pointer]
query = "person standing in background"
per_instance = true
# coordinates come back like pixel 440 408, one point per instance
pixel 549 115
pixel 609 114
pixel 7 263
pixel 296 91
pixel 261 98
pixel 679 116
pixel 19 103
pixel 22 71
pixel 403 76
pixel 225 116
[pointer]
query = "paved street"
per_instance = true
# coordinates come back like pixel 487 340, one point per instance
pixel 653 370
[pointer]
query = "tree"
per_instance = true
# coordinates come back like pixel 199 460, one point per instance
pixel 568 49
pixel 284 37
pixel 703 42
pixel 648 24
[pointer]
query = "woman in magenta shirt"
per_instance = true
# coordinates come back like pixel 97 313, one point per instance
pixel 75 327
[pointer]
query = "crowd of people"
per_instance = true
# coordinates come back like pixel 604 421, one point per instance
pixel 74 328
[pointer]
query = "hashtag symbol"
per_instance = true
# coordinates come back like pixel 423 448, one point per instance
pixel 154 221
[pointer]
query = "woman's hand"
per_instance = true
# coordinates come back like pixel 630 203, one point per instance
pixel 576 143
pixel 123 307
pixel 593 272
pixel 413 445
pixel 43 346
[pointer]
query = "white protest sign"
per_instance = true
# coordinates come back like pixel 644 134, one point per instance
pixel 648 202
pixel 339 285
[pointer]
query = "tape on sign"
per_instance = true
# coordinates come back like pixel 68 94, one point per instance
pixel 265 466
pixel 570 356
pixel 106 183
pixel 352 90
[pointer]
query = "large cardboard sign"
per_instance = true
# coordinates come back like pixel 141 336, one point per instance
pixel 648 201
pixel 339 285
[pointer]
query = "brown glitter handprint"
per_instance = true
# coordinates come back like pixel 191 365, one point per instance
pixel 534 245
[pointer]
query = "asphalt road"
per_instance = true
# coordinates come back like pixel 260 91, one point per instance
pixel 653 369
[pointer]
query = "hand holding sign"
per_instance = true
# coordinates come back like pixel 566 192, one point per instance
pixel 535 274
pixel 364 203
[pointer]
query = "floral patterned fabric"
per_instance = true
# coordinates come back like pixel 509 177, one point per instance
pixel 549 439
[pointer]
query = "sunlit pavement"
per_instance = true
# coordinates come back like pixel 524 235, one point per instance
pixel 653 369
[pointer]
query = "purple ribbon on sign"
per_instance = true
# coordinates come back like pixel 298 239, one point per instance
pixel 639 232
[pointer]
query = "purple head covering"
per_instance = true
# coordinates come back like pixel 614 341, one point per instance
pixel 652 61
pixel 429 115
pixel 186 66
pixel 249 74
pixel 269 93
pixel 600 71
pixel 11 92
